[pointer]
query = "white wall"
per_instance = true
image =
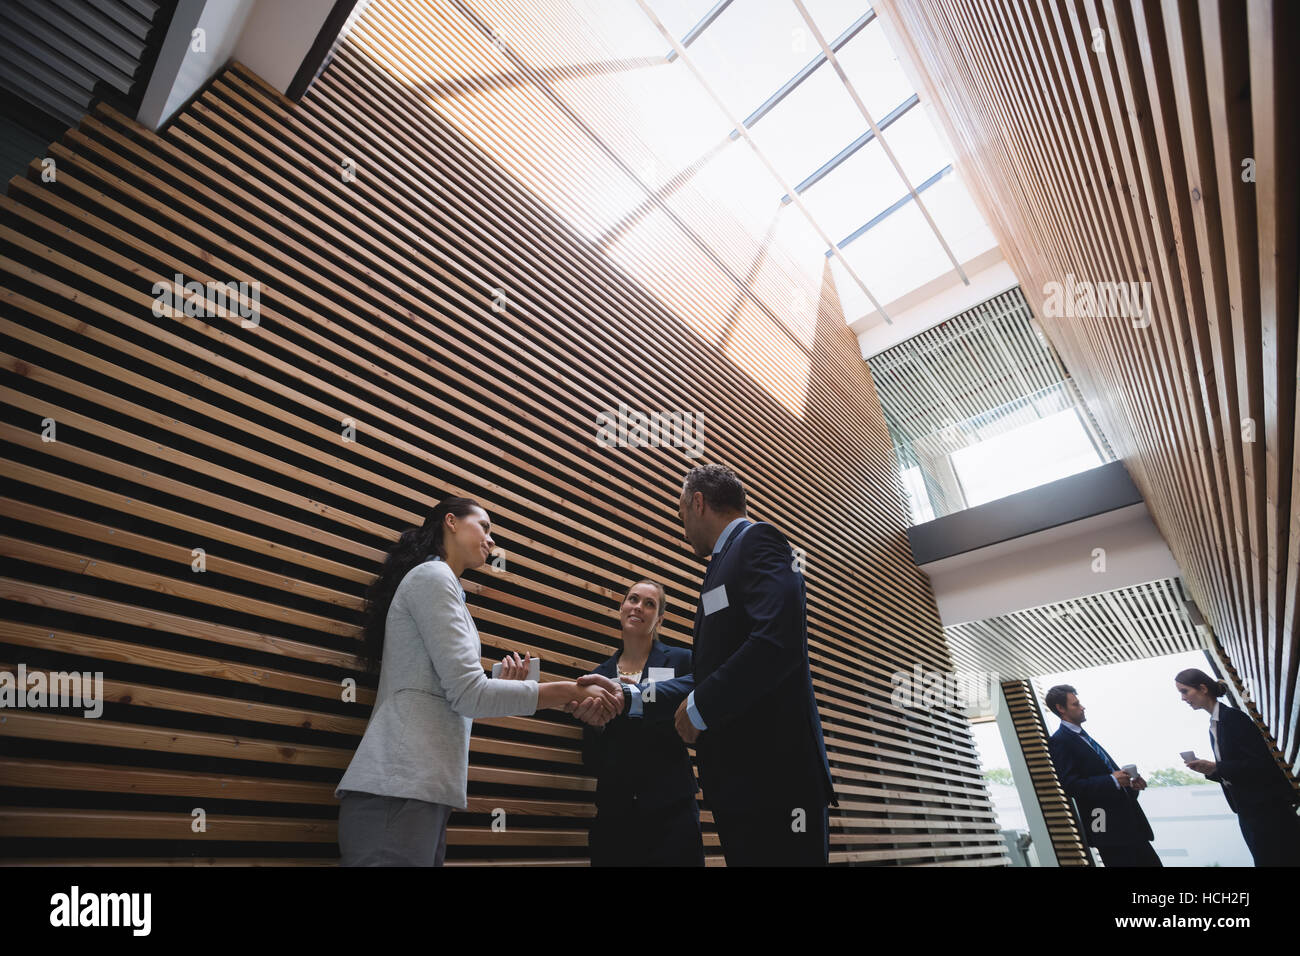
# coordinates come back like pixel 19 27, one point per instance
pixel 1050 566
pixel 277 36
pixel 270 37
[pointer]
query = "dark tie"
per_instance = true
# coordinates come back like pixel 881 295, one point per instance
pixel 1110 764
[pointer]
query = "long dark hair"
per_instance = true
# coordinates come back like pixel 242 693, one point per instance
pixel 415 546
pixel 1195 677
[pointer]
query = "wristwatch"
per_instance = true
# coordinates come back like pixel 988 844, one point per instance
pixel 627 699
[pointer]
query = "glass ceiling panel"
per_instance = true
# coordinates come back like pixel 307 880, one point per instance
pixel 797 234
pixel 853 300
pixel 668 123
pixel 623 28
pixel 873 70
pixel 918 149
pixel 677 16
pixel 898 255
pixel 653 91
pixel 862 186
pixel 737 181
pixel 833 17
pixel 658 142
pixel 751 51
pixel 808 127
pixel 957 218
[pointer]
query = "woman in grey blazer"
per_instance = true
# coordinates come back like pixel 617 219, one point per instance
pixel 411 769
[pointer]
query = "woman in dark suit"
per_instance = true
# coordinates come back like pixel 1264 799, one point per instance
pixel 646 814
pixel 1253 783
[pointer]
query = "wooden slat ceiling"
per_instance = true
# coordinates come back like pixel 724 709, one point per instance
pixel 1127 624
pixel 379 305
pixel 983 359
pixel 1143 141
pixel 978 375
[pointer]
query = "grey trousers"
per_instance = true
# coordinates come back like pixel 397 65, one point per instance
pixel 375 830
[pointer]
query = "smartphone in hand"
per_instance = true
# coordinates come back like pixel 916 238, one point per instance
pixel 534 669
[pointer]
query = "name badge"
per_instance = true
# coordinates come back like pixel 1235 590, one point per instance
pixel 714 600
pixel 662 673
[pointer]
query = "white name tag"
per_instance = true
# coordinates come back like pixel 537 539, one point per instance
pixel 714 600
pixel 661 673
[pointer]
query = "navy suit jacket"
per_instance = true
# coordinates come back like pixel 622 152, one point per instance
pixel 1086 778
pixel 752 683
pixel 640 760
pixel 1255 779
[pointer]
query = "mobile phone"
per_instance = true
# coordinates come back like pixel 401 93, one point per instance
pixel 534 668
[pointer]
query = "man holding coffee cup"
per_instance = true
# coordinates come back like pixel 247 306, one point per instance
pixel 1105 793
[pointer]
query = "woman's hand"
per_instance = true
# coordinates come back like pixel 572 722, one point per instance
pixel 513 667
pixel 568 696
pixel 598 707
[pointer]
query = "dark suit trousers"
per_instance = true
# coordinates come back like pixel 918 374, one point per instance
pixel 1273 834
pixel 764 835
pixel 1130 854
pixel 624 834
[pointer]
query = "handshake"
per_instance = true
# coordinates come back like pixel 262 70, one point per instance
pixel 603 701
pixel 600 700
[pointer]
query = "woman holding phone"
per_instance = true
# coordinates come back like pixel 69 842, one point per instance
pixel 1252 782
pixel 646 813
pixel 411 768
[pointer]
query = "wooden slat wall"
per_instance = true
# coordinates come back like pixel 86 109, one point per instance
pixel 1111 140
pixel 377 304
pixel 1058 812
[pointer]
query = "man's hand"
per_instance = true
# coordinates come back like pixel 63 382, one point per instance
pixel 605 704
pixel 1122 778
pixel 682 721
pixel 1206 767
pixel 1139 783
pixel 591 711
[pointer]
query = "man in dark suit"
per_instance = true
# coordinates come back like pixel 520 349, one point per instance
pixel 1107 798
pixel 748 706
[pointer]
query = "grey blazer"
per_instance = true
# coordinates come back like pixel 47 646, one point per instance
pixel 431 687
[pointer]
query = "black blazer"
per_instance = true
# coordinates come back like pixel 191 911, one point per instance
pixel 1086 778
pixel 752 682
pixel 639 758
pixel 1250 777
